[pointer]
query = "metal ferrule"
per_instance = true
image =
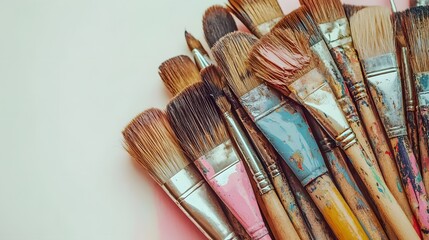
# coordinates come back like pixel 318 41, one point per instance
pixel 422 88
pixel 264 28
pixel 410 103
pixel 282 122
pixel 196 199
pixel 274 170
pixel 336 33
pixel 264 185
pixel 422 2
pixel 384 81
pixel 202 60
pixel 358 91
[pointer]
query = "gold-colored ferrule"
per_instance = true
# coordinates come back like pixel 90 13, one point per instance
pixel 410 103
pixel 264 28
pixel 197 200
pixel 202 60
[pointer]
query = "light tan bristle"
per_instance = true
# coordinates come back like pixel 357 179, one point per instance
pixel 150 141
pixel 217 22
pixel 194 43
pixel 178 73
pixel 255 12
pixel 231 54
pixel 372 32
pixel 416 28
pixel 325 11
pixel 196 121
pixel 281 57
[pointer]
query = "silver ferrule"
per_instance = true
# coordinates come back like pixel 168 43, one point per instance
pixel 202 60
pixel 422 88
pixel 422 2
pixel 336 33
pixel 196 199
pixel 410 103
pixel 255 165
pixel 384 81
pixel 264 28
pixel 393 6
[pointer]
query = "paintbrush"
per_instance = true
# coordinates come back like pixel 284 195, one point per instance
pixel 346 182
pixel 350 10
pixel 276 215
pixel 201 56
pixel 284 59
pixel 380 66
pixel 217 22
pixel 177 73
pixel 334 26
pixel 204 137
pixel 282 122
pixel 150 140
pixel 415 23
pixel 259 16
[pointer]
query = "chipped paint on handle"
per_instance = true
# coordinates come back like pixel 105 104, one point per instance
pixel 226 174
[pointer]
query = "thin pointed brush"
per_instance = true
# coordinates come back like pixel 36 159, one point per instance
pixel 201 56
pixel 150 140
pixel 259 16
pixel 334 26
pixel 282 121
pixel 204 138
pixel 350 10
pixel 284 59
pixel 276 216
pixel 381 69
pixel 217 22
pixel 178 73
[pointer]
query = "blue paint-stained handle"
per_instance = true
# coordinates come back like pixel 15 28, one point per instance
pixel 422 88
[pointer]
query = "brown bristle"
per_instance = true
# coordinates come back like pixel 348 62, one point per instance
pixel 352 9
pixel 325 11
pixel 217 22
pixel 231 54
pixel 194 43
pixel 178 73
pixel 196 121
pixel 400 38
pixel 215 83
pixel 150 140
pixel 281 57
pixel 416 28
pixel 300 20
pixel 372 32
pixel 255 12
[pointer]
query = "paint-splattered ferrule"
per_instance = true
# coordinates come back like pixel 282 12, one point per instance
pixel 422 2
pixel 422 88
pixel 384 81
pixel 282 122
pixel 336 33
pixel 202 60
pixel 196 199
pixel 264 28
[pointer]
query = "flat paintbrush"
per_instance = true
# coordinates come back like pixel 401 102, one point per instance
pixel 259 16
pixel 284 59
pixel 282 121
pixel 204 138
pixel 217 22
pixel 150 140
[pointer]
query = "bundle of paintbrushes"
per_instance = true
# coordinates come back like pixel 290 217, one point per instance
pixel 315 127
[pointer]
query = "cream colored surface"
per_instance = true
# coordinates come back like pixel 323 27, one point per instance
pixel 72 74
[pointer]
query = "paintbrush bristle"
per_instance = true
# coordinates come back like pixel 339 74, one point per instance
pixel 196 121
pixel 231 54
pixel 352 9
pixel 215 83
pixel 325 11
pixel 300 20
pixel 281 57
pixel 194 43
pixel 217 22
pixel 179 72
pixel 255 12
pixel 150 141
pixel 416 28
pixel 372 32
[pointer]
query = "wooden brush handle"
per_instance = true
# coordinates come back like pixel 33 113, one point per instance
pixel 413 184
pixel 413 134
pixel 380 194
pixel 424 151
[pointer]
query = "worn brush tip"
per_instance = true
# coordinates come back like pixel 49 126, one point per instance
pixel 149 139
pixel 194 43
pixel 217 22
pixel 368 23
pixel 196 121
pixel 325 11
pixel 178 72
pixel 352 9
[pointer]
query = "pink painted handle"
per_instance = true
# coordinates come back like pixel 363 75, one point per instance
pixel 233 187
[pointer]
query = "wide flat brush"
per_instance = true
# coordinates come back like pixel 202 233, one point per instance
pixel 279 222
pixel 178 73
pixel 217 22
pixel 282 122
pixel 284 59
pixel 204 138
pixel 150 140
pixel 259 16
pixel 380 66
